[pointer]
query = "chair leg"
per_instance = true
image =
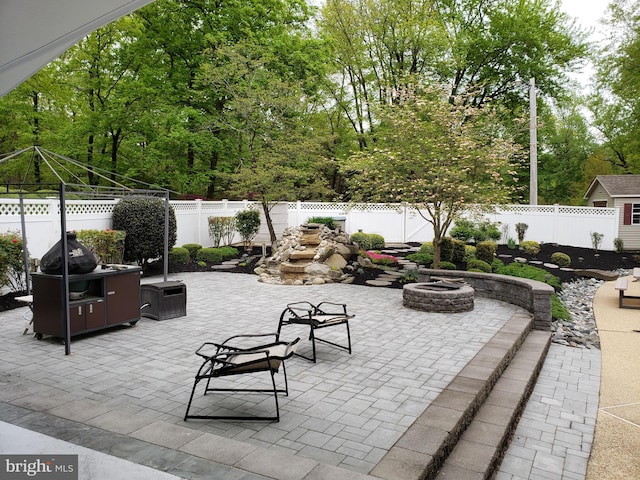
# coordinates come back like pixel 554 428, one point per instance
pixel 193 390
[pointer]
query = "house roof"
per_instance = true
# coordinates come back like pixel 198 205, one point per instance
pixel 617 185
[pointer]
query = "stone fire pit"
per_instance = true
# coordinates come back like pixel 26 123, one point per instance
pixel 438 296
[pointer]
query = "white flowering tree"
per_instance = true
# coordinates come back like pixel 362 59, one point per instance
pixel 439 157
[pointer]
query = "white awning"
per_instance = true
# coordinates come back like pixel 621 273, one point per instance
pixel 34 32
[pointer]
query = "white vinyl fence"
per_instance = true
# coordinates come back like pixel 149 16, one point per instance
pixel 397 224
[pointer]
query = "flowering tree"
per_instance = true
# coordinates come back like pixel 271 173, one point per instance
pixel 439 157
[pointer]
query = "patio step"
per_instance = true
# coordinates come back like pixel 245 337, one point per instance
pixel 465 431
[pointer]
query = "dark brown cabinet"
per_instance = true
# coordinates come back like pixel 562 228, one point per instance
pixel 100 299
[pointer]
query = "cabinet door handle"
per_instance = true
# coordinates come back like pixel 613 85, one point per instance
pixel 112 292
pixel 80 310
pixel 91 308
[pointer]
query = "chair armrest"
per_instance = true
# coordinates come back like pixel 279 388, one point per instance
pixel 322 311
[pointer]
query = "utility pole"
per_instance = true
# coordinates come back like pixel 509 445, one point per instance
pixel 533 144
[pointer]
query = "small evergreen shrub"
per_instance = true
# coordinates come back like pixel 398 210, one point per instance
pixel 248 225
pixel 469 253
pixel 421 258
pixel 228 252
pixel 193 249
pixel 463 230
pixel 362 239
pixel 530 246
pixel 487 230
pixel 618 245
pixel 326 221
pixel 368 241
pixel 216 254
pixel 477 265
pixel 427 247
pixel 459 251
pixel 209 255
pixel 446 250
pixel 486 251
pixel 179 256
pixel 521 230
pixel 447 266
pixel 561 259
pixel 377 241
pixel 497 265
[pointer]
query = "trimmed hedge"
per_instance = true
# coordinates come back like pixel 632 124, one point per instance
pixel 179 256
pixel 477 265
pixel 193 249
pixel 561 259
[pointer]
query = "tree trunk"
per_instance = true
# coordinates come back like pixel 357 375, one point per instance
pixel 267 216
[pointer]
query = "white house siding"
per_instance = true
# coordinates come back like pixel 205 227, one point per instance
pixel 599 194
pixel 630 234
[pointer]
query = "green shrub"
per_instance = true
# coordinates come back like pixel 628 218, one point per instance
pixel 427 247
pixel 521 230
pixel 326 221
pixel 209 255
pixel 368 241
pixel 466 230
pixel 446 250
pixel 248 225
pixel 11 261
pixel 421 258
pixel 486 251
pixel 511 243
pixel 522 270
pixel 618 244
pixel 487 230
pixel 497 265
pixel 377 241
pixel 143 221
pixel 179 256
pixel 469 253
pixel 558 310
pixel 362 239
pixel 447 266
pixel 476 265
pixel 107 245
pixel 193 249
pixel 530 246
pixel 221 228
pixel 561 259
pixel 228 252
pixel 463 230
pixel 459 250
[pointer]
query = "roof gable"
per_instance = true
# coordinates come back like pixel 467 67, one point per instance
pixel 617 185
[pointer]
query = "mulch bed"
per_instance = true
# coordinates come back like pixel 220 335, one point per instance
pixel 581 258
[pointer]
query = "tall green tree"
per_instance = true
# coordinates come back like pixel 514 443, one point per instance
pixel 437 156
pixel 281 156
pixel 616 104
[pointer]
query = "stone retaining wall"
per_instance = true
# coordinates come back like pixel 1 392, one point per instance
pixel 532 295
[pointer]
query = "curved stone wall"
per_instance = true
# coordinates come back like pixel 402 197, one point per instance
pixel 532 295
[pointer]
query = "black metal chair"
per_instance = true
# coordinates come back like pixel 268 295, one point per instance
pixel 232 358
pixel 323 315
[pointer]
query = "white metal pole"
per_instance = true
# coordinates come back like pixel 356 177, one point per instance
pixel 533 144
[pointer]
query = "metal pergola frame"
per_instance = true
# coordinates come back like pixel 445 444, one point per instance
pixel 118 190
